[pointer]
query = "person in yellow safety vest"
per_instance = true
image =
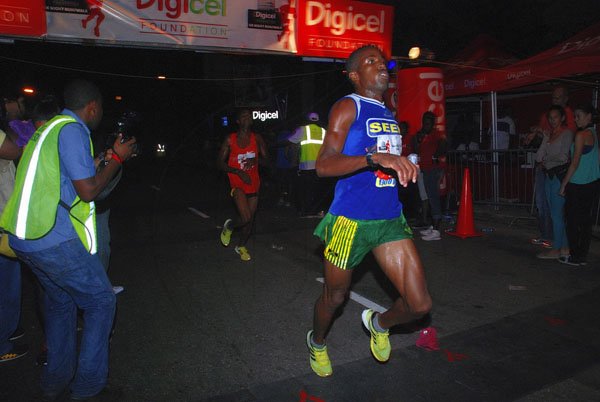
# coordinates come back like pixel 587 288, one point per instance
pixel 51 226
pixel 311 191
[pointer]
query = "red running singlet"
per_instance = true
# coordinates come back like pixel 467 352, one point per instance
pixel 245 159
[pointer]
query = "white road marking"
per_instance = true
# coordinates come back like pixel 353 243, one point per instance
pixel 199 213
pixel 362 300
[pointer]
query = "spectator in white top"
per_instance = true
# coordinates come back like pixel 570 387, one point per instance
pixel 505 128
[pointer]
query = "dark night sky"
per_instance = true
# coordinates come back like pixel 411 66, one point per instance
pixel 526 27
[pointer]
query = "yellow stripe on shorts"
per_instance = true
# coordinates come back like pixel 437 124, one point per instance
pixel 342 236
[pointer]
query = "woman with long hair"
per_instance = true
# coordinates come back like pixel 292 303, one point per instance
pixel 553 154
pixel 580 185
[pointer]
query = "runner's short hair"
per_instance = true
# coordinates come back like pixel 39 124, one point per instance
pixel 352 62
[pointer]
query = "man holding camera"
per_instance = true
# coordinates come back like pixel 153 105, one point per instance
pixel 51 220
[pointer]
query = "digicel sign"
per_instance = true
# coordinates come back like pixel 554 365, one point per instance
pixel 335 28
pixel 22 18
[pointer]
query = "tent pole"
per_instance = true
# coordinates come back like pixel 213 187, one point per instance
pixel 481 119
pixel 595 101
pixel 495 158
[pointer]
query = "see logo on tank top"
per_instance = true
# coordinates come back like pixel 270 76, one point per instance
pixel 388 141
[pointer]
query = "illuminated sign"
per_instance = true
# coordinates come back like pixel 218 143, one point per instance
pixel 23 18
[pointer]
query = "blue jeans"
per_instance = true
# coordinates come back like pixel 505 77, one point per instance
pixel 103 237
pixel 557 212
pixel 541 204
pixel 10 300
pixel 432 179
pixel 72 278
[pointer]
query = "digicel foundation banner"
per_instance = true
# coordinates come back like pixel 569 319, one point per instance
pixel 335 28
pixel 330 29
pixel 22 17
pixel 233 24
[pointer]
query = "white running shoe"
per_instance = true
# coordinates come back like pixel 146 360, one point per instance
pixel 426 232
pixel 118 289
pixel 434 235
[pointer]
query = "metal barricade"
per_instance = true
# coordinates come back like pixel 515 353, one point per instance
pixel 500 178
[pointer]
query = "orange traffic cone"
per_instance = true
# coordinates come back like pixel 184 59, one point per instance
pixel 465 227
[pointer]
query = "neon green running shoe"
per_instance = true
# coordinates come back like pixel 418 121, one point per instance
pixel 226 233
pixel 243 252
pixel 319 359
pixel 380 341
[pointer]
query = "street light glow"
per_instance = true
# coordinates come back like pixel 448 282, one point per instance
pixel 414 53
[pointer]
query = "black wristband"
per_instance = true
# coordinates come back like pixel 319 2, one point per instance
pixel 369 158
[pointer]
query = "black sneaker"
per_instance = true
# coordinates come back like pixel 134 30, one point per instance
pixel 19 332
pixel 16 352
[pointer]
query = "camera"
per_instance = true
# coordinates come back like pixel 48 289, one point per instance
pixel 128 125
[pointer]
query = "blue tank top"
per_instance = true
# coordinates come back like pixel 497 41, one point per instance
pixel 589 168
pixel 367 194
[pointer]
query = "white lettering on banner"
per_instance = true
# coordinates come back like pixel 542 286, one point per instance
pixel 262 116
pixel 474 83
pixel 579 45
pixel 431 76
pixel 338 44
pixel 518 74
pixel 265 16
pixel 435 91
pixel 435 96
pixel 174 8
pixel 14 17
pixel 339 21
pixel 174 28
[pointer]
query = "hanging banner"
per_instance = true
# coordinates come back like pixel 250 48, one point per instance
pixel 331 29
pixel 233 24
pixel 22 18
pixel 335 28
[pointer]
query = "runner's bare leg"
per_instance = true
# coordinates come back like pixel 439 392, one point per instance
pixel 335 291
pixel 400 262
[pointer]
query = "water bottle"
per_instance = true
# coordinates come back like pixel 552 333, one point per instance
pixel 414 158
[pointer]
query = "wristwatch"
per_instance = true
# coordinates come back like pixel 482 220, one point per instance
pixel 369 157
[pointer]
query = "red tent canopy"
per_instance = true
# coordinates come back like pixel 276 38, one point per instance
pixel 470 70
pixel 579 54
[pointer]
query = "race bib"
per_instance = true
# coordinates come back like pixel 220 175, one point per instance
pixel 388 141
pixel 246 161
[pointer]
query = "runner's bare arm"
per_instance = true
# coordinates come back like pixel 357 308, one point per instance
pixel 222 158
pixel 263 155
pixel 331 161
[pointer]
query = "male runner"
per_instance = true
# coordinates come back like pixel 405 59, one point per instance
pixel 363 146
pixel 239 158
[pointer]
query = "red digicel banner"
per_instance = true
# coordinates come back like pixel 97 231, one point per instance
pixel 22 18
pixel 337 27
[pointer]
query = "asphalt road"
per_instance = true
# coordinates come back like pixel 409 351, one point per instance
pixel 197 324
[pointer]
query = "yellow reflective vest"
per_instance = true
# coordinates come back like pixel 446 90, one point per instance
pixel 310 145
pixel 30 213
